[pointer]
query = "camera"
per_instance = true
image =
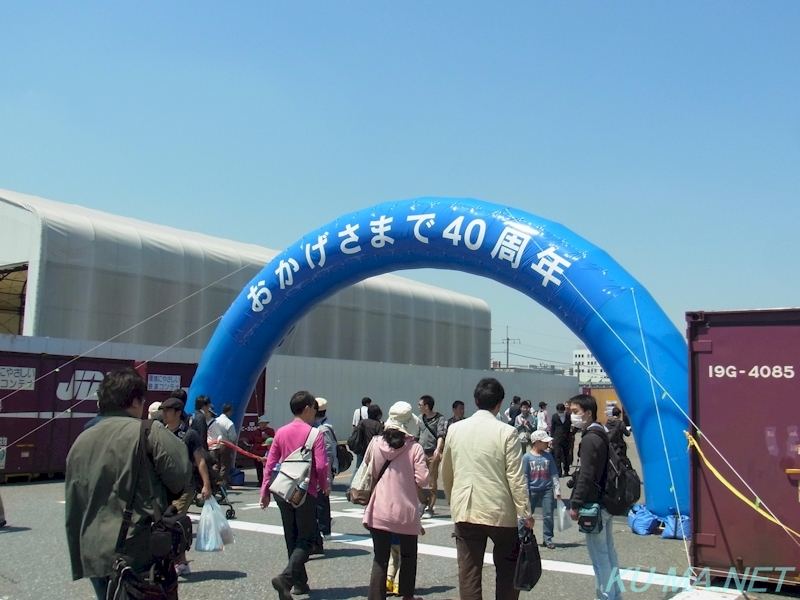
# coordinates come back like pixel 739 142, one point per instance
pixel 571 481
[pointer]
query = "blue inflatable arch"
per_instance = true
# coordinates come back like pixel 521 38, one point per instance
pixel 617 319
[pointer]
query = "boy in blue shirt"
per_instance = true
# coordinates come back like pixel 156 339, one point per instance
pixel 541 475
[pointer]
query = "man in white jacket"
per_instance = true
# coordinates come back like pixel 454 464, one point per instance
pixel 484 482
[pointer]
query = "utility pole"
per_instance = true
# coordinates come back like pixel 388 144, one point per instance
pixel 508 341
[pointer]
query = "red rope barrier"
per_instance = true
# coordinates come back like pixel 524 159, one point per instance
pixel 240 450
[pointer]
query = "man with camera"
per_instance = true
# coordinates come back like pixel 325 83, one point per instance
pixel 107 476
pixel 589 484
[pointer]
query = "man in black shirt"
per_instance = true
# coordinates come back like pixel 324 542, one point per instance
pixel 202 415
pixel 171 412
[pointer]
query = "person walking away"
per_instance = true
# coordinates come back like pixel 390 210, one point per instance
pixel 172 417
pixel 361 413
pixel 561 431
pixel 590 483
pixel 400 462
pixel 541 474
pixel 99 483
pixel 525 424
pixel 323 502
pixel 543 418
pixel 431 438
pixel 259 443
pixel 3 521
pixel 201 417
pixel 617 432
pixel 485 484
pixel 512 412
pixel 363 434
pixel 222 428
pixel 299 523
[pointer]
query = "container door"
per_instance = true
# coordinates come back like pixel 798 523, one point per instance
pixel 745 373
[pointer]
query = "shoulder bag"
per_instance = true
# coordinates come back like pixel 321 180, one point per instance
pixel 168 538
pixel 290 482
pixel 363 484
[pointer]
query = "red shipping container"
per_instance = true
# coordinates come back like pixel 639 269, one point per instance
pixel 745 373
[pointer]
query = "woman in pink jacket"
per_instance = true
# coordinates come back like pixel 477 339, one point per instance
pixel 393 507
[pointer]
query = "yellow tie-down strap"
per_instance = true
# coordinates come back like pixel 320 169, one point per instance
pixel 754 505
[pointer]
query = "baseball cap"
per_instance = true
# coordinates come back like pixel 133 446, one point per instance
pixel 322 404
pixel 540 436
pixel 263 419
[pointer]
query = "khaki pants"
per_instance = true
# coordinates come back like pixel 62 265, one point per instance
pixel 182 504
pixel 433 469
pixel 224 457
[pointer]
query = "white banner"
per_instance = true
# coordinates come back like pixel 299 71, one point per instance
pixel 162 383
pixel 17 378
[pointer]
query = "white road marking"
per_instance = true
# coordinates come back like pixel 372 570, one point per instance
pixel 640 577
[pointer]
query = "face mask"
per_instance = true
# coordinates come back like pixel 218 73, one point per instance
pixel 577 420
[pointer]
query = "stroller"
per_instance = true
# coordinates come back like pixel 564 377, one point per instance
pixel 217 488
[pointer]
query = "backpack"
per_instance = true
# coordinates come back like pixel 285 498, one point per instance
pixel 356 440
pixel 623 487
pixel 344 458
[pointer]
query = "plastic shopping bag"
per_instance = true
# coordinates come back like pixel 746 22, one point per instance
pixel 564 521
pixel 225 531
pixel 208 530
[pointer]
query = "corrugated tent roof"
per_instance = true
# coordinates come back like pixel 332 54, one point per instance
pixel 94 275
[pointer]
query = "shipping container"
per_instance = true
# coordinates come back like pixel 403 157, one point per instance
pixel 744 400
pixel 45 401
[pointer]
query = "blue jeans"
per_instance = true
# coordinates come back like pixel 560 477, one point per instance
pixel 544 498
pixel 604 559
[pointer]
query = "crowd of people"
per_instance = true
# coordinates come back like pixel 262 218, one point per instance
pixel 496 467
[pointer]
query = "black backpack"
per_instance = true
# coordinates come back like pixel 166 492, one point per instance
pixel 344 457
pixel 356 440
pixel 623 487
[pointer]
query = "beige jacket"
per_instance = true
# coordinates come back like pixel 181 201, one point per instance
pixel 482 472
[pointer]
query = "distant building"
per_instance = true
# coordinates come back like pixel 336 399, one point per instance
pixel 586 368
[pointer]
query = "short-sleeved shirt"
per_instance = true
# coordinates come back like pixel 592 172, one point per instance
pixel 359 415
pixel 192 440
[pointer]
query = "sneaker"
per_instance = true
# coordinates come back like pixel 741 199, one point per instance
pixel 283 588
pixel 3 523
pixel 183 570
pixel 389 586
pixel 301 588
pixel 428 513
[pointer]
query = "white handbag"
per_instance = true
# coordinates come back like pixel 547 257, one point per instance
pixel 363 484
pixel 290 482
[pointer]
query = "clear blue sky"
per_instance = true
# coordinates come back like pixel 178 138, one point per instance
pixel 667 133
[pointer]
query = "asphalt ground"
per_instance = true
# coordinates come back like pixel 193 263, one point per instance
pixel 34 563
